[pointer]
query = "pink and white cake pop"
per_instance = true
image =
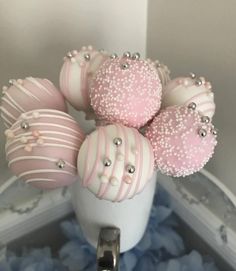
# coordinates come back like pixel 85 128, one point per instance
pixel 185 90
pixel 76 73
pixel 115 162
pixel 163 72
pixel 126 90
pixel 42 148
pixel 29 94
pixel 182 140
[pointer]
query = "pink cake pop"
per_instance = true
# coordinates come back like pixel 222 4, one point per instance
pixel 115 162
pixel 183 140
pixel 184 90
pixel 29 94
pixel 42 148
pixel 76 73
pixel 126 90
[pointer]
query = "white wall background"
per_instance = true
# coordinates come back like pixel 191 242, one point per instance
pixel 200 36
pixel 35 35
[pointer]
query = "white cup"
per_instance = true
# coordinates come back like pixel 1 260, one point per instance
pixel 130 216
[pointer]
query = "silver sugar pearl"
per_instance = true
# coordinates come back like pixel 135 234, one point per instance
pixel 24 125
pixel 158 65
pixel 136 56
pixel 113 56
pixel 11 81
pixel 60 163
pixel 202 132
pixel 127 54
pixel 124 66
pixel 87 57
pixel 117 141
pixel 69 55
pixel 198 82
pixel 130 169
pixel 192 106
pixel 214 131
pixel 205 119
pixel 192 75
pixel 107 162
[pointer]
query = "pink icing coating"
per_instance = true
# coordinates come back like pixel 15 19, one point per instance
pixel 178 148
pixel 34 153
pixel 29 94
pixel 130 96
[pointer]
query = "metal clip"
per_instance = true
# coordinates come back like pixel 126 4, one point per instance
pixel 108 249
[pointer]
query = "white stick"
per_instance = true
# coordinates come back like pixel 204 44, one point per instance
pixel 7 184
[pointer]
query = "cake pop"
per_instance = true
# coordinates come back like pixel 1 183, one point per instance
pixel 184 90
pixel 115 162
pixel 42 148
pixel 76 74
pixel 182 140
pixel 126 90
pixel 29 94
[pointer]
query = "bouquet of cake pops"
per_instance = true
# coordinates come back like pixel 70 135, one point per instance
pixel 144 122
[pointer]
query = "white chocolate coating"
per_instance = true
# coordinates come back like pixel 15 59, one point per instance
pixel 29 94
pixel 44 152
pixel 76 74
pixel 114 182
pixel 184 90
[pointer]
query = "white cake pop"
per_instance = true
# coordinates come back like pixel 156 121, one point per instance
pixel 115 162
pixel 186 90
pixel 76 74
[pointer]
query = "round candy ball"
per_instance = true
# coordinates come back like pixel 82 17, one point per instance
pixel 186 90
pixel 183 141
pixel 76 73
pixel 126 91
pixel 42 148
pixel 29 94
pixel 115 162
pixel 163 72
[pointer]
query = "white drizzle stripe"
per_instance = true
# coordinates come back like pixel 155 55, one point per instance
pixel 44 145
pixel 7 122
pixel 39 180
pixel 14 102
pixel 23 158
pixel 36 171
pixel 26 91
pixel 43 137
pixel 51 125
pixel 10 104
pixel 53 116
pixel 8 113
pixel 39 85
pixel 42 133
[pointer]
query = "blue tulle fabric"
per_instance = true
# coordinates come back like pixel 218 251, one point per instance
pixel 161 249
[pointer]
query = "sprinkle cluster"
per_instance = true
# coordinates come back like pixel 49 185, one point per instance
pixel 126 90
pixel 182 141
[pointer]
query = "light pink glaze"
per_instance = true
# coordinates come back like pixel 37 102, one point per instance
pixel 29 94
pixel 34 153
pixel 110 182
pixel 130 96
pixel 179 149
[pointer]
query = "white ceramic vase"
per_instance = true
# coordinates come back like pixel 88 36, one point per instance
pixel 130 216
